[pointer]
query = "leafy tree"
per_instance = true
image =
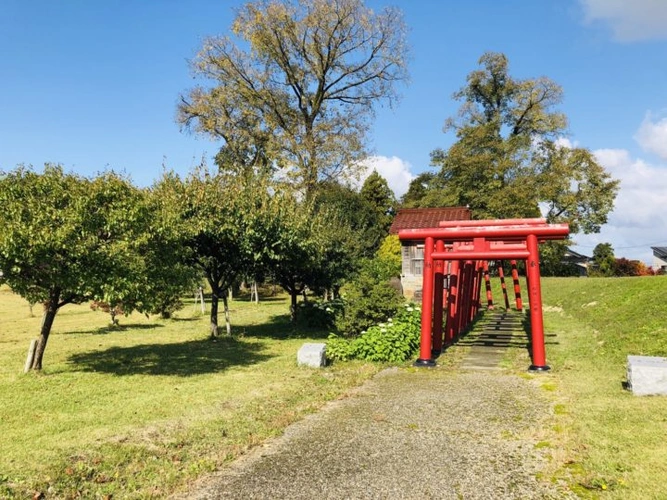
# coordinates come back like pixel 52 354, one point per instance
pixel 65 239
pixel 379 195
pixel 309 247
pixel 350 209
pixel 507 160
pixel 604 260
pixel 215 218
pixel 427 190
pixel 166 275
pixel 390 252
pixel 552 259
pixel 626 267
pixel 297 84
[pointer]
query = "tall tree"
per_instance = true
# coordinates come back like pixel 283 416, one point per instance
pixel 349 208
pixel 298 84
pixel 604 260
pixel 507 160
pixel 66 239
pixel 380 197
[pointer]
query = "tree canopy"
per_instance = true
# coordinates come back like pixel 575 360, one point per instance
pixel 216 220
pixel 377 193
pixel 508 159
pixel 66 239
pixel 297 85
pixel 604 259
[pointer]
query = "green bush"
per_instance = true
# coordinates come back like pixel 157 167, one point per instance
pixel 320 314
pixel 369 299
pixel 339 348
pixel 392 341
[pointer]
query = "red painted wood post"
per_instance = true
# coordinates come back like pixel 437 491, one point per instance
pixel 517 286
pixel 466 295
pixel 487 285
pixel 453 302
pixel 445 293
pixel 438 283
pixel 461 303
pixel 425 347
pixel 535 298
pixel 478 294
pixel 501 274
pixel 474 289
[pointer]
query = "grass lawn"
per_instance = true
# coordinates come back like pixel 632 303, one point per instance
pixel 138 410
pixel 608 442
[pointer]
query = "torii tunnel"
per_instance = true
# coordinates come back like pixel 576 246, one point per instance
pixel 462 249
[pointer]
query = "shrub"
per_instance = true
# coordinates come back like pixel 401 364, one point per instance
pixel 392 341
pixel 339 348
pixel 390 252
pixel 369 299
pixel 320 314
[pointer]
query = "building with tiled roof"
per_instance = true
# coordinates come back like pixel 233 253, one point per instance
pixel 412 252
pixel 659 258
pixel 419 218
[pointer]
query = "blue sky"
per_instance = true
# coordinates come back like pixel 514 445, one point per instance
pixel 94 85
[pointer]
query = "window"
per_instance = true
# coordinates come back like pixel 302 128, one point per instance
pixel 413 260
pixel 417 260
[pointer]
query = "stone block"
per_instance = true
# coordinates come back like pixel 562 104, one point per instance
pixel 313 355
pixel 647 375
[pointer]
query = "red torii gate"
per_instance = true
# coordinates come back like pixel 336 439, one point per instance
pixel 468 245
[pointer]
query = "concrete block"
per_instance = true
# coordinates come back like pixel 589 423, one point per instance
pixel 647 375
pixel 313 355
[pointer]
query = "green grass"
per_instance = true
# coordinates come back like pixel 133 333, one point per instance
pixel 612 444
pixel 140 410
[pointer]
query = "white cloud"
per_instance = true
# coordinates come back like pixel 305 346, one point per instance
pixel 652 135
pixel 638 220
pixel 564 142
pixel 396 171
pixel 630 20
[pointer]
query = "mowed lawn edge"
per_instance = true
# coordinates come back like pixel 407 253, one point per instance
pixel 604 441
pixel 141 410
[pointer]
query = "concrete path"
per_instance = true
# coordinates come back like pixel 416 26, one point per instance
pixel 408 433
pixel 496 332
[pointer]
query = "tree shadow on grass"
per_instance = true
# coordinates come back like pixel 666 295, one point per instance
pixel 124 327
pixel 279 327
pixel 102 330
pixel 194 357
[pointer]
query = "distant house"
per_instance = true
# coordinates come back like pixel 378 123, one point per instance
pixel 659 258
pixel 581 262
pixel 412 252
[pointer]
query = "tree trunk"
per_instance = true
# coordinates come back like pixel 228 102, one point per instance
pixel 31 356
pixel 294 293
pixel 255 291
pixel 214 314
pixel 50 310
pixel 228 323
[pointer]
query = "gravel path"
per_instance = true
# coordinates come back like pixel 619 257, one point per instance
pixel 405 434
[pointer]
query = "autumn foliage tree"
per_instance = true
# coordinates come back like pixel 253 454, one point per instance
pixel 297 84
